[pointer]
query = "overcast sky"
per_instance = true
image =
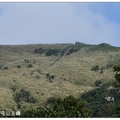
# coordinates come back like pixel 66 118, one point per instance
pixel 33 23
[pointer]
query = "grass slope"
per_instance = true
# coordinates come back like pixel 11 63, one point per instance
pixel 29 79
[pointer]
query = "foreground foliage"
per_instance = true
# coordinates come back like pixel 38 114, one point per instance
pixel 67 107
pixel 97 102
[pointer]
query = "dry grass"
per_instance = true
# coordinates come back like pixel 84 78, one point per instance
pixel 72 74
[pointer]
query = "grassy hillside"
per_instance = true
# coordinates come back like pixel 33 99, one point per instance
pixel 30 74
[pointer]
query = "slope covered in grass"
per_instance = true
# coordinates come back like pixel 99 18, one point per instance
pixel 30 74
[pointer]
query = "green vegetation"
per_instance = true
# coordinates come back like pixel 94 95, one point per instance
pixel 57 74
pixel 14 87
pixel 67 107
pixel 103 47
pixel 52 52
pixel 5 68
pixel 117 77
pixel 48 52
pixel 58 51
pixel 77 47
pixel 1 67
pixel 27 61
pixel 29 65
pixel 18 66
pixel 118 111
pixel 72 50
pixel 95 68
pixel 50 77
pixel 117 85
pixel 24 96
pixel 98 82
pixel 101 71
pixel 104 101
pixel 100 106
pixel 81 45
pixel 39 51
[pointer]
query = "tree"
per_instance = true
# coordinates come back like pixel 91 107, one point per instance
pixel 118 111
pixel 117 77
pixel 67 107
pixel 117 85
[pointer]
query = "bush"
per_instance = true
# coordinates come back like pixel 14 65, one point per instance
pixel 118 111
pixel 60 108
pixel 30 65
pixel 37 76
pixel 14 87
pixel 50 77
pixel 38 70
pixel 1 66
pixel 18 66
pixel 24 95
pixel 5 68
pixel 27 61
pixel 97 82
pixel 95 68
pixel 47 75
pixel 39 50
pixel 51 100
pixel 98 104
pixel 101 72
pixel 72 50
pixel 52 52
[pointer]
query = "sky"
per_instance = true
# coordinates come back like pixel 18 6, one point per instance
pixel 55 22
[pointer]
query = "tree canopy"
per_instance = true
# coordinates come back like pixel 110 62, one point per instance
pixel 67 107
pixel 117 77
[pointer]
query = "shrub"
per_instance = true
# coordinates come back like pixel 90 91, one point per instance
pixel 38 70
pixel 52 52
pixel 101 72
pixel 72 50
pixel 30 65
pixel 18 66
pixel 51 100
pixel 97 82
pixel 37 76
pixel 61 108
pixel 14 87
pixel 39 51
pixel 1 66
pixel 5 68
pixel 95 68
pixel 27 61
pixel 24 95
pixel 98 104
pixel 47 75
pixel 50 77
pixel 32 72
pixel 118 111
